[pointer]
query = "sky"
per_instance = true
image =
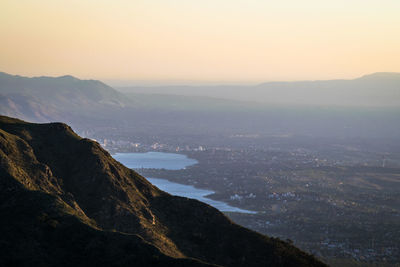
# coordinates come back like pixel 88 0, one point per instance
pixel 205 41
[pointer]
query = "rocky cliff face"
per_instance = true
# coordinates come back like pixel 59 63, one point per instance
pixel 65 201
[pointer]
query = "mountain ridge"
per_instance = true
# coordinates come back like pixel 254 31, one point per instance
pixel 45 98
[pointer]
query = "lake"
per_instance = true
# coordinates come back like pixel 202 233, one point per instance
pixel 173 161
pixel 156 160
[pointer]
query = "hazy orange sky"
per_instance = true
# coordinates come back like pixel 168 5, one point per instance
pixel 208 40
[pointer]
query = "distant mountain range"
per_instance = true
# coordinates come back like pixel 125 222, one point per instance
pixel 369 106
pixel 374 90
pixel 64 201
pixel 49 99
pixel 67 98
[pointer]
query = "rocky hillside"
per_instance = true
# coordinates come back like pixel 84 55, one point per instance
pixel 65 201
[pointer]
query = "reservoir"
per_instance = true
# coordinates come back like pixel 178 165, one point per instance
pixel 154 160
pixel 173 161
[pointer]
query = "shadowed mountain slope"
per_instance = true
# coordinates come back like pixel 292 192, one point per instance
pixel 65 201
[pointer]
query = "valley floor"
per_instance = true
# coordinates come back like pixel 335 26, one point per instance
pixel 334 203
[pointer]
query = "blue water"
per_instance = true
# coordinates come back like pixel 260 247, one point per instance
pixel 172 161
pixel 157 160
pixel 195 193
